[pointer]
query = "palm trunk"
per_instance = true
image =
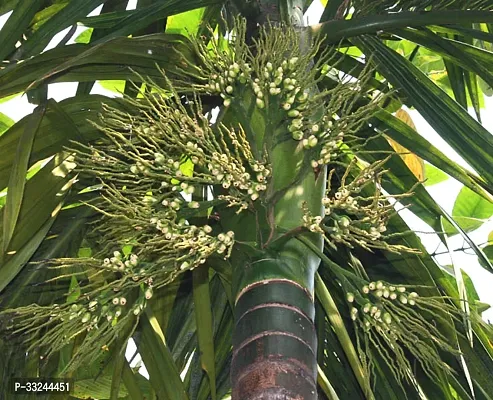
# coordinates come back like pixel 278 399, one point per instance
pixel 274 338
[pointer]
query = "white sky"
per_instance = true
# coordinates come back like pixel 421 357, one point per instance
pixel 444 193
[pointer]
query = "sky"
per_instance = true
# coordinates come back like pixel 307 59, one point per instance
pixel 444 193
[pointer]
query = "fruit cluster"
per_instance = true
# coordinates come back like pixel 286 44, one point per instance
pixel 370 305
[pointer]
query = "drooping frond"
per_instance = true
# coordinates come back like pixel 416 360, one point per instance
pixel 367 7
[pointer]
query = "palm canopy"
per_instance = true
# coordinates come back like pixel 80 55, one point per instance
pixel 44 217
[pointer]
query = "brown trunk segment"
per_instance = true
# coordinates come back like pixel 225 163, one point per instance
pixel 275 343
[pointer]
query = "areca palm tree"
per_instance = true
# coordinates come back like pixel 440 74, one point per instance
pixel 235 213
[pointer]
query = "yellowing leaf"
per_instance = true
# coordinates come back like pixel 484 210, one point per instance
pixel 414 163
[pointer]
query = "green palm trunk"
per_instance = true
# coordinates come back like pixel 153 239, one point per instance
pixel 274 340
